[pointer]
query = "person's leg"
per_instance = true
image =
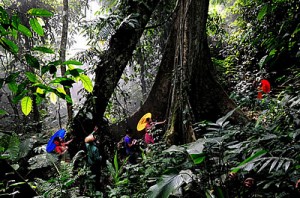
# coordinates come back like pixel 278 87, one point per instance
pixel 96 170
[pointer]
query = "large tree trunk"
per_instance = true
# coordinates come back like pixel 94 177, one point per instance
pixel 196 95
pixel 110 68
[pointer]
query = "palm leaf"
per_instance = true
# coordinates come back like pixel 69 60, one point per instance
pixel 249 159
pixel 165 187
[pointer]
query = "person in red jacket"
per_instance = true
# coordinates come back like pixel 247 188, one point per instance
pixel 149 126
pixel 264 87
pixel 61 146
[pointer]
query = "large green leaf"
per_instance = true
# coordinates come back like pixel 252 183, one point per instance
pixel 53 98
pixel 31 76
pixel 74 72
pixel 43 49
pixel 9 45
pixel 26 105
pixel 42 86
pixel 198 158
pixel 220 121
pixel 86 82
pixel 195 150
pixel 175 148
pixel 36 26
pixel 21 28
pixel 24 30
pixel 72 62
pixel 32 61
pixel 263 60
pixel 170 184
pixel 249 159
pixel 116 163
pixel 66 82
pixel 12 77
pixel 39 12
pixel 10 143
pixel 165 187
pixel 196 147
pixel 262 12
pixel 13 86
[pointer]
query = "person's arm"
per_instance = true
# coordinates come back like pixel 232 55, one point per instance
pixel 132 143
pixel 162 122
pixel 68 142
pixel 90 138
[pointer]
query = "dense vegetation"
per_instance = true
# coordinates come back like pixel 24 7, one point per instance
pixel 248 40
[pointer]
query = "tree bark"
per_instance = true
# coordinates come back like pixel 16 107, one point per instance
pixel 196 94
pixel 63 48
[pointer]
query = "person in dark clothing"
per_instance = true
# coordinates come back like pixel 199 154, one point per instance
pixel 129 143
pixel 93 155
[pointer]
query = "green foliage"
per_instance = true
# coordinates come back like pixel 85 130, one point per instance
pixel 87 83
pixel 26 105
pixel 217 164
pixel 249 159
pixel 38 82
pixel 67 179
pixel 259 42
pixel 169 184
pixel 9 146
pixel 39 12
pixel 116 171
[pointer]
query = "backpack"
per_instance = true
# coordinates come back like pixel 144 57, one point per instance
pixel 93 153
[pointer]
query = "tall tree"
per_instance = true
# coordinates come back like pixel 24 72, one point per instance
pixel 63 48
pixel 196 95
pixel 190 93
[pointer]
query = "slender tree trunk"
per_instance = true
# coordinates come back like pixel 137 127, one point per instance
pixel 63 47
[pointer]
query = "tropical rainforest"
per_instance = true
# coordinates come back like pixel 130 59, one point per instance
pixel 219 80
